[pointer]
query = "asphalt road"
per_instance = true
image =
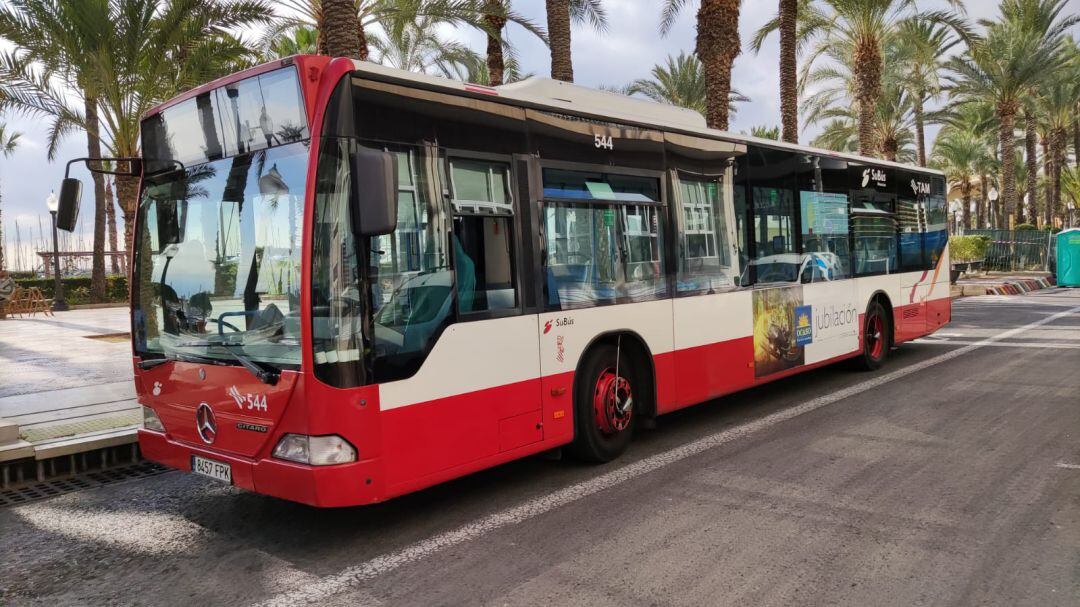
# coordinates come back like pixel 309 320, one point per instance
pixel 950 477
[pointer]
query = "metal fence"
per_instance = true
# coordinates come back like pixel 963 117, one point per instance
pixel 1014 250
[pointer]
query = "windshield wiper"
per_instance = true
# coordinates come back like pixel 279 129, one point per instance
pixel 171 356
pixel 267 376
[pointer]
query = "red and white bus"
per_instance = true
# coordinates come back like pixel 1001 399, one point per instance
pixel 353 282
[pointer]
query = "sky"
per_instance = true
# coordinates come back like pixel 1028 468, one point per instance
pixel 627 52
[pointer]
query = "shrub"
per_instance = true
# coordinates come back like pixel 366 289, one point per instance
pixel 968 248
pixel 1025 226
pixel 77 289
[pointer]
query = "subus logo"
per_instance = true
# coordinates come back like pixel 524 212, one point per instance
pixel 875 175
pixel 557 322
pixel 920 187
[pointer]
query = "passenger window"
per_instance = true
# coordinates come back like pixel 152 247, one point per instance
pixel 705 262
pixel 774 233
pixel 825 230
pixel 599 252
pixel 875 243
pixel 483 237
pixel 773 179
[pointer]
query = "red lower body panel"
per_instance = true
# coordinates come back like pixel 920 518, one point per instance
pixel 428 443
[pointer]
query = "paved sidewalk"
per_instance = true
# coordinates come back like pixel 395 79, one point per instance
pixel 66 382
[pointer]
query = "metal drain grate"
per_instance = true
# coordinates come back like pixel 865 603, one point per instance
pixel 88 480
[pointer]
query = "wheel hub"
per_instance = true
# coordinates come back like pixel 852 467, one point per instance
pixel 613 402
pixel 875 343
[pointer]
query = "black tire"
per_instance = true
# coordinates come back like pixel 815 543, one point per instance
pixel 592 442
pixel 876 337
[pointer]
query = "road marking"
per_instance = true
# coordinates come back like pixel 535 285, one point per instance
pixel 965 342
pixel 1067 466
pixel 354 576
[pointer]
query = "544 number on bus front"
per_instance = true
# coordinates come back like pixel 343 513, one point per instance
pixel 249 401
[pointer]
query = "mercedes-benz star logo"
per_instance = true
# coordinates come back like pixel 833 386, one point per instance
pixel 205 424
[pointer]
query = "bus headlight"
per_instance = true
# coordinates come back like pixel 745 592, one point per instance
pixel 315 450
pixel 150 420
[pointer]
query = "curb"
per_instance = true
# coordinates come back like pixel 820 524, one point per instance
pixel 1020 287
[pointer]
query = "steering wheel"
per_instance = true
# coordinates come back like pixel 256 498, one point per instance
pixel 225 323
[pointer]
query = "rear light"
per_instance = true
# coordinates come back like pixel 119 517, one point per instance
pixel 150 420
pixel 315 450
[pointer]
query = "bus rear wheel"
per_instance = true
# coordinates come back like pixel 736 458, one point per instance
pixel 877 332
pixel 604 414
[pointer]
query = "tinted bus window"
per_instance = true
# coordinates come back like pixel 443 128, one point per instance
pixel 772 179
pixel 705 262
pixel 601 248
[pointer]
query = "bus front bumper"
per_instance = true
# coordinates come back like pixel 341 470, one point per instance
pixel 322 486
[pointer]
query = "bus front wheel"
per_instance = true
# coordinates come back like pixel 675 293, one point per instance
pixel 876 339
pixel 604 411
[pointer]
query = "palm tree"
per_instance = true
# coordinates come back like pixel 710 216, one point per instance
pixel 66 39
pixel 1005 64
pixel 957 153
pixel 9 141
pixel 765 132
pixel 419 47
pixel 679 82
pixel 717 47
pixel 1057 105
pixel 301 40
pixel 560 14
pixel 494 17
pixel 922 47
pixel 863 29
pixel 152 50
pixel 786 22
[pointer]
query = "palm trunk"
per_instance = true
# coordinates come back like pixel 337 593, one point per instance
pixel 1059 141
pixel 1032 162
pixel 717 46
pixel 920 129
pixel 965 195
pixel 868 65
pixel 980 209
pixel 93 151
pixel 1007 116
pixel 127 192
pixel 110 225
pixel 984 192
pixel 1076 141
pixel 789 94
pixel 1048 194
pixel 558 19
pixel 495 19
pixel 340 29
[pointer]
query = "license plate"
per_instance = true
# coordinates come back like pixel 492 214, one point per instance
pixel 208 467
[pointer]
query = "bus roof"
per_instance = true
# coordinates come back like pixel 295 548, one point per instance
pixel 565 97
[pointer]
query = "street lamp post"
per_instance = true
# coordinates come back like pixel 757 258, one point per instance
pixel 59 305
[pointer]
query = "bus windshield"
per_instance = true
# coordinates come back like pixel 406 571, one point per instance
pixel 217 265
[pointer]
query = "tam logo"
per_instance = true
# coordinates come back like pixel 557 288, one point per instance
pixel 920 187
pixel 547 327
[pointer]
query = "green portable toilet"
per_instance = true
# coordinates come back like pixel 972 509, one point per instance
pixel 1068 258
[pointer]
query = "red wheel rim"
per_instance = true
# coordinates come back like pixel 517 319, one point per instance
pixel 875 336
pixel 613 402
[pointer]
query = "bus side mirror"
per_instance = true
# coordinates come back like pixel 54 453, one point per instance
pixel 374 192
pixel 67 209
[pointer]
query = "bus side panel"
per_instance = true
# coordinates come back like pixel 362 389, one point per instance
pixel 714 347
pixel 565 335
pixel 477 391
